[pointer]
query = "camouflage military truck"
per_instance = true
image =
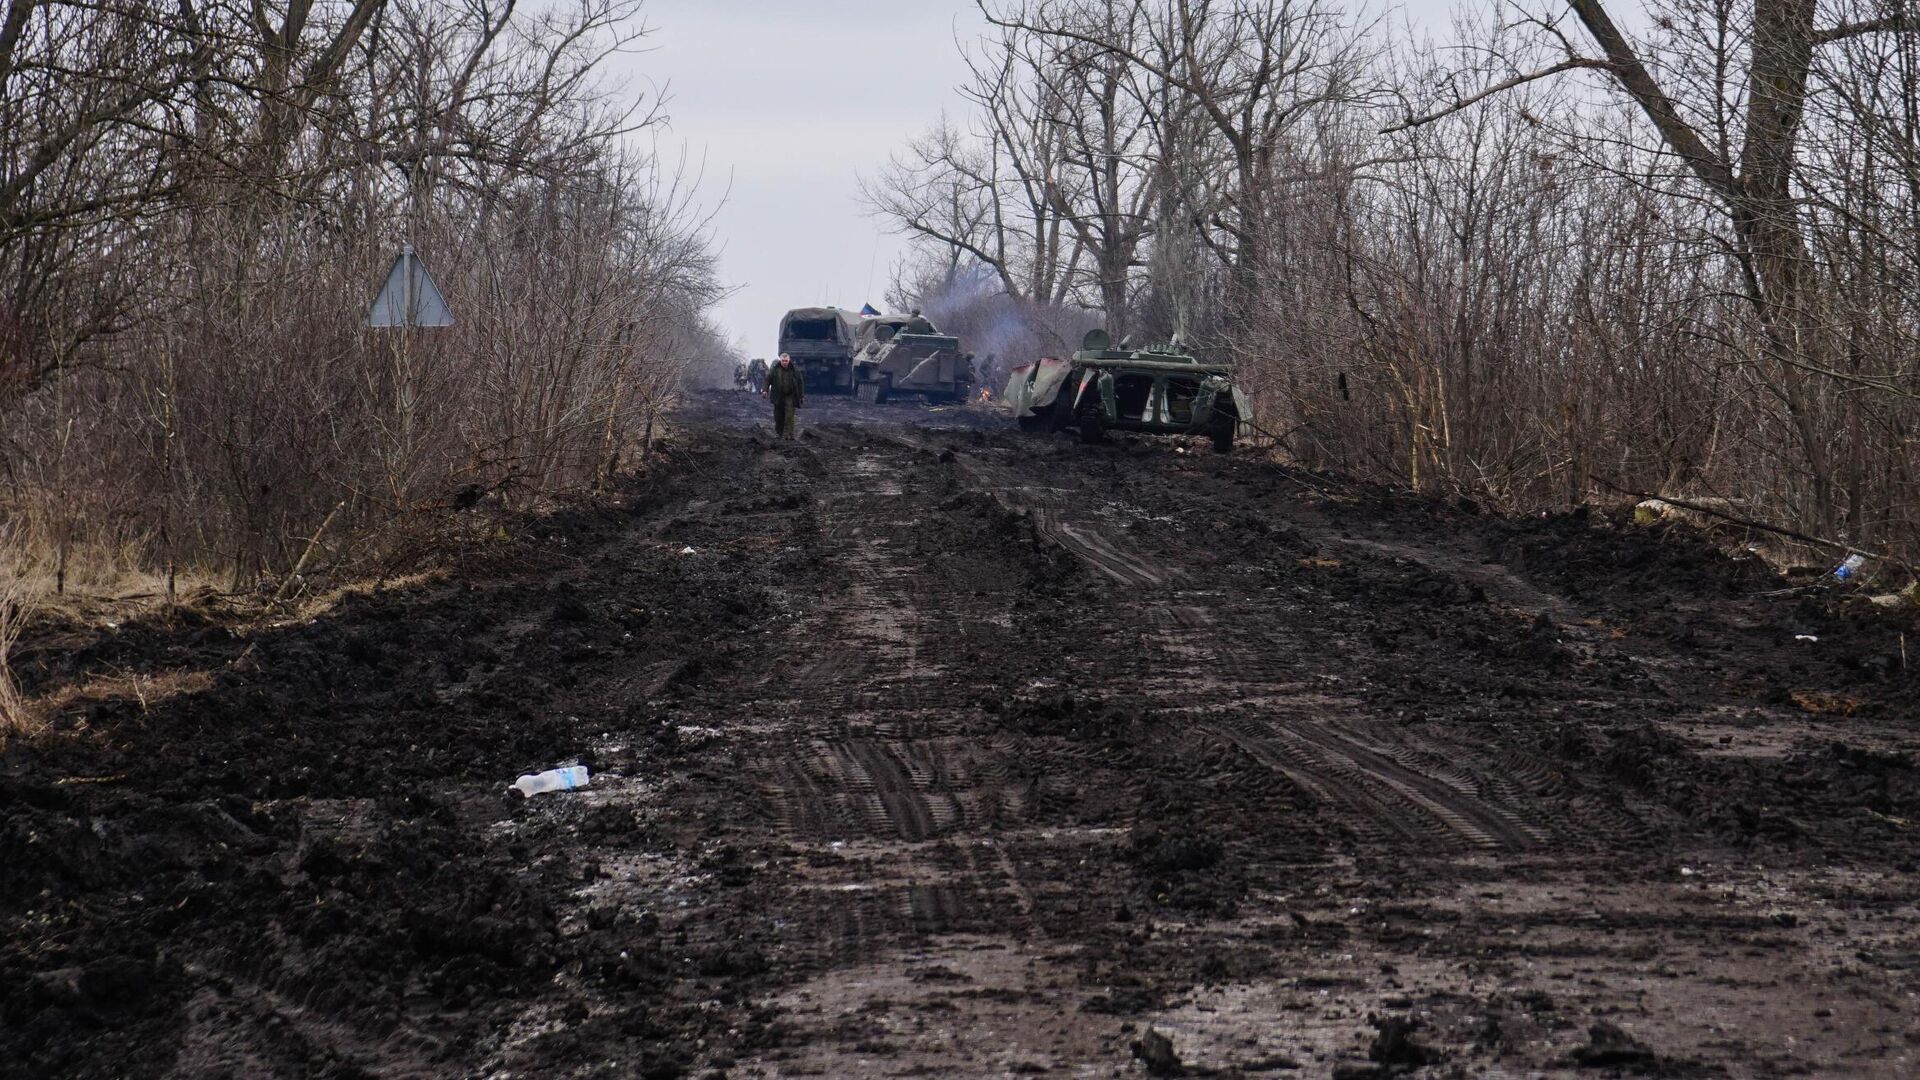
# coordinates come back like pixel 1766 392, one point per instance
pixel 1156 391
pixel 890 360
pixel 821 341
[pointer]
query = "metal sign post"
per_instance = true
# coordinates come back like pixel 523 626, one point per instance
pixel 408 299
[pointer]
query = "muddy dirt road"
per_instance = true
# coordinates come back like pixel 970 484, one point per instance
pixel 924 748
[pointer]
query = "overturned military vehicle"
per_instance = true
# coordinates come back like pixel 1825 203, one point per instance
pixel 1157 391
pixel 900 355
pixel 821 341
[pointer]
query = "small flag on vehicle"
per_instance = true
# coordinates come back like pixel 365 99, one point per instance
pixel 869 310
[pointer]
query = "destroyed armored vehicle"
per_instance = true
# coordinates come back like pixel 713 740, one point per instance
pixel 898 355
pixel 821 341
pixel 1156 391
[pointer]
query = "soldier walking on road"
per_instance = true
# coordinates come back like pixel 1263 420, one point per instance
pixel 757 374
pixel 788 389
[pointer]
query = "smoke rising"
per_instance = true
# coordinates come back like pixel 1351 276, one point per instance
pixel 1002 331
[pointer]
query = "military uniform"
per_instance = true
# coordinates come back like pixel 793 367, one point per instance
pixel 757 374
pixel 787 387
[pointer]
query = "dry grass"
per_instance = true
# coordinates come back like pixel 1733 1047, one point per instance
pixel 92 580
pixel 314 605
pixel 53 599
pixel 1826 702
pixel 86 616
pixel 25 581
pixel 77 556
pixel 149 689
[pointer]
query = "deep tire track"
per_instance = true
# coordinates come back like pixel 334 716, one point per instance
pixel 1437 794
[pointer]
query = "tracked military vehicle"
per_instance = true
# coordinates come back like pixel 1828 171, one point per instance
pixel 1155 391
pixel 821 341
pixel 901 355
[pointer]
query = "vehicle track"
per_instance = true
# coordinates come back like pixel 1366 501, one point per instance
pixel 1413 803
pixel 1175 686
pixel 934 826
pixel 1060 514
pixel 904 764
pixel 1264 701
pixel 1395 792
pixel 887 782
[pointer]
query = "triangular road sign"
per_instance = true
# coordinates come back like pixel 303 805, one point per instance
pixel 409 298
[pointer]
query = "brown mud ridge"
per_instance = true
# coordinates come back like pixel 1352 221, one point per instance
pixel 947 751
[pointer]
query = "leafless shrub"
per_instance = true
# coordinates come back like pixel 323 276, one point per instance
pixel 24 584
pixel 1553 263
pixel 208 200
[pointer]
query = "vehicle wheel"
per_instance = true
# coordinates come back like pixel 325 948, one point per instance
pixel 1222 434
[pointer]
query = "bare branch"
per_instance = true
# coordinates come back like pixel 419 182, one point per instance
pixel 1900 22
pixel 1576 64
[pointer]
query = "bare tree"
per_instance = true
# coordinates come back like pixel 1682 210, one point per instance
pixel 1754 184
pixel 186 356
pixel 1073 124
pixel 1258 71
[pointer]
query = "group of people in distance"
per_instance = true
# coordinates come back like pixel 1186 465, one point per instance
pixel 750 375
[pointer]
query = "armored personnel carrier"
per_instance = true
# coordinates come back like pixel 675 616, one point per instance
pixel 1155 391
pixel 900 355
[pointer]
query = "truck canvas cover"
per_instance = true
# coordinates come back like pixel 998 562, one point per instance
pixel 821 342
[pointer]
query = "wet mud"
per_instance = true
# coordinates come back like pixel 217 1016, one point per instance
pixel 922 747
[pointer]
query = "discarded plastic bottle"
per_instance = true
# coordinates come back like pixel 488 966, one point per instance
pixel 573 776
pixel 1847 569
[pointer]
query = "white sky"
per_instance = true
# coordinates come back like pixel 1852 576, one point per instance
pixel 786 104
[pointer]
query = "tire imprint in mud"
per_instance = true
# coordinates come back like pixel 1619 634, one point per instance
pixel 1390 799
pixel 1391 791
pixel 903 766
pixel 1400 787
pixel 911 790
pixel 1242 716
pixel 1264 729
pixel 879 790
pixel 1398 792
pixel 897 803
pixel 872 631
pixel 1060 517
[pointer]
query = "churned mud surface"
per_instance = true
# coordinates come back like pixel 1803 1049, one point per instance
pixel 925 748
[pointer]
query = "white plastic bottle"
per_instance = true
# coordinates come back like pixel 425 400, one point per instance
pixel 573 776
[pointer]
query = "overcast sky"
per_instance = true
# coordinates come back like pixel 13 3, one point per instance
pixel 787 103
